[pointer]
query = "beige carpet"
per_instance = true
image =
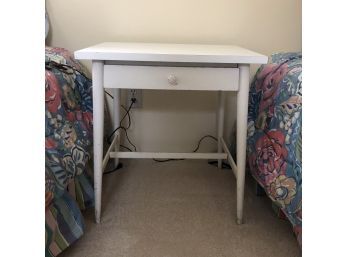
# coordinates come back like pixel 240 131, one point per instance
pixel 181 209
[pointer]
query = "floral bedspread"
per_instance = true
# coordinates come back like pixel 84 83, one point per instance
pixel 275 133
pixel 68 141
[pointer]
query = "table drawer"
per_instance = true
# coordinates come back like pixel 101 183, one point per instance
pixel 171 78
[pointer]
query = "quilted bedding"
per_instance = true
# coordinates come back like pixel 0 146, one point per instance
pixel 68 140
pixel 274 144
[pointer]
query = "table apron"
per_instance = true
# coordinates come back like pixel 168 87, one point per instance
pixel 171 78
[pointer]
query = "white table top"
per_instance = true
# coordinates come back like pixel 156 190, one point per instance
pixel 153 52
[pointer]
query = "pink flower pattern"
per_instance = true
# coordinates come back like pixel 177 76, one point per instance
pixel 268 82
pixel 270 155
pixel 275 133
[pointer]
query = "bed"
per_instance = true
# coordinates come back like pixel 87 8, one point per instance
pixel 274 144
pixel 68 141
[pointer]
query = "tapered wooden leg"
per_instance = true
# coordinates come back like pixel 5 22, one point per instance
pixel 98 132
pixel 116 113
pixel 220 123
pixel 242 116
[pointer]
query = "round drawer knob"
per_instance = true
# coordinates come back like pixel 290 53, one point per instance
pixel 172 80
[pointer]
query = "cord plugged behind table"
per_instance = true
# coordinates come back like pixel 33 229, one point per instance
pixel 127 114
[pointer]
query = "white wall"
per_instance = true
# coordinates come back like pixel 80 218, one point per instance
pixel 174 121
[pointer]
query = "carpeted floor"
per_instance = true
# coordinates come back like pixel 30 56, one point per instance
pixel 181 209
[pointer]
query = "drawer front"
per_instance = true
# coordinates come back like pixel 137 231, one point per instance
pixel 171 78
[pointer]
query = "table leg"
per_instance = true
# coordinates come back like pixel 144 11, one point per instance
pixel 116 112
pixel 220 123
pixel 242 116
pixel 98 132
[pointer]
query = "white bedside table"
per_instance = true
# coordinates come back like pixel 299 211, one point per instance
pixel 170 67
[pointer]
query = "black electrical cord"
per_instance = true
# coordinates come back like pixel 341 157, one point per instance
pixel 199 142
pixel 195 150
pixel 125 147
pixel 127 114
pixel 125 129
pixel 106 92
pixel 49 65
pixel 224 165
pixel 121 127
pixel 127 111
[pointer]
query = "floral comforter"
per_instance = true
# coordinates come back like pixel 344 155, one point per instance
pixel 68 131
pixel 275 134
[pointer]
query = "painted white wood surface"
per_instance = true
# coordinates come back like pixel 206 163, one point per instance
pixel 171 78
pixel 114 143
pixel 116 113
pixel 153 52
pixel 229 157
pixel 158 155
pixel 220 123
pixel 132 76
pixel 98 132
pixel 242 115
